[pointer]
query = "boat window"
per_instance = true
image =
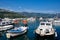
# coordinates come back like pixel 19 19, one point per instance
pixel 3 23
pixel 10 22
pixel 42 24
pixel 47 24
pixel 7 22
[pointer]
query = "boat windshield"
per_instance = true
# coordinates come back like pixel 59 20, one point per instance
pixel 47 24
pixel 3 23
pixel 42 23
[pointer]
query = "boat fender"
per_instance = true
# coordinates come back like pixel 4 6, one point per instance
pixel 8 35
pixel 56 34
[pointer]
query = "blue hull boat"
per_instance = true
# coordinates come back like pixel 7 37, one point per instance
pixel 17 31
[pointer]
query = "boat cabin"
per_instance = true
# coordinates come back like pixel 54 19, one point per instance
pixel 45 24
pixel 4 23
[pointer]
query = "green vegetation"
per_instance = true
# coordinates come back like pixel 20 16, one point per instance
pixel 9 14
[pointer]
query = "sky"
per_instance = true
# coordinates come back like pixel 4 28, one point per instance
pixel 40 6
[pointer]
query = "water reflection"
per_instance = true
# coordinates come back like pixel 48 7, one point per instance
pixel 45 37
pixel 25 37
pixel 21 37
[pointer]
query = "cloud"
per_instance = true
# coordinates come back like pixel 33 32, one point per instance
pixel 48 11
pixel 38 11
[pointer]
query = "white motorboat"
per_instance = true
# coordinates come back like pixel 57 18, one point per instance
pixel 4 25
pixel 17 31
pixel 56 22
pixel 45 29
pixel 41 19
pixel 31 19
pixel 7 21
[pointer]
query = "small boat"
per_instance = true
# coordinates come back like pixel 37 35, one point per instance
pixel 4 26
pixel 41 19
pixel 31 19
pixel 17 31
pixel 45 29
pixel 56 22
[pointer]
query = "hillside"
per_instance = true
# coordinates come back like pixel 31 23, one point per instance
pixel 10 14
pixel 37 14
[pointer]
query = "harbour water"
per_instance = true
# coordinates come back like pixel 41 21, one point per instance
pixel 30 35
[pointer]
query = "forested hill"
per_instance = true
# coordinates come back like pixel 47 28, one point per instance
pixel 38 14
pixel 6 13
pixel 11 14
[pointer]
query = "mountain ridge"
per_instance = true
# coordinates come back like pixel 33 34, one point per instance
pixel 25 14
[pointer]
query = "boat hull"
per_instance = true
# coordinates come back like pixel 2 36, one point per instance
pixel 4 28
pixel 41 33
pixel 14 34
pixel 44 35
pixel 47 37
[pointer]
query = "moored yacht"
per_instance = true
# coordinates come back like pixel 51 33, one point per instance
pixel 31 19
pixel 45 29
pixel 56 22
pixel 5 25
pixel 17 31
pixel 41 19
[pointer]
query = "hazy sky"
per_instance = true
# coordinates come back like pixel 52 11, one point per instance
pixel 45 6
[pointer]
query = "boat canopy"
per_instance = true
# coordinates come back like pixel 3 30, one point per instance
pixel 45 24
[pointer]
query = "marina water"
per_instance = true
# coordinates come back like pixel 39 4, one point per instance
pixel 30 35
